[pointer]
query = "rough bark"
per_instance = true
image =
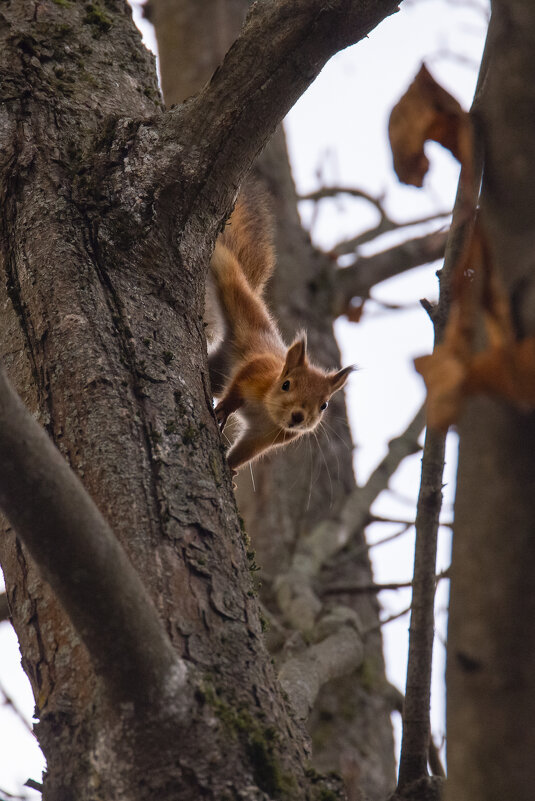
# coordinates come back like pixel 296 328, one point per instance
pixel 491 657
pixel 291 494
pixel 108 210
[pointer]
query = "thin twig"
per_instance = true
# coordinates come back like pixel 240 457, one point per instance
pixel 333 191
pixel 9 702
pixel 297 600
pixel 435 763
pixel 34 785
pixel 416 724
pixel 384 226
pixel 4 607
pixel 371 587
pixel 358 279
pixel 7 794
pixel 386 620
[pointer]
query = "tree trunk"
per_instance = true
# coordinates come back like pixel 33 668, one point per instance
pixel 109 209
pixel 288 494
pixel 491 653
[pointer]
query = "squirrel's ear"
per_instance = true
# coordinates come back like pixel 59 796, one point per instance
pixel 297 354
pixel 337 380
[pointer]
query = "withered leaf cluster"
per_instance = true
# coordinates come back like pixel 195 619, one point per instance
pixel 505 366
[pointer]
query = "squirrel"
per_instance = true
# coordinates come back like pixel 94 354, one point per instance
pixel 249 235
pixel 278 394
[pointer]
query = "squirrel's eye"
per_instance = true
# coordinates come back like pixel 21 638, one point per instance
pixel 323 406
pixel 286 386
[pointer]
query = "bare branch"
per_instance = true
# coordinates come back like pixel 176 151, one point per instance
pixel 4 607
pixel 385 620
pixel 371 587
pixel 384 226
pixel 33 785
pixel 339 653
pixel 296 598
pixel 357 280
pixel 333 191
pixel 82 560
pixel 416 724
pixel 9 702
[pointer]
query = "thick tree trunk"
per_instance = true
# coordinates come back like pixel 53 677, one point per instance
pixel 290 493
pixel 491 655
pixel 108 212
pixel 91 342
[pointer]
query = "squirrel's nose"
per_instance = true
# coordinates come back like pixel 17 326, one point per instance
pixel 297 417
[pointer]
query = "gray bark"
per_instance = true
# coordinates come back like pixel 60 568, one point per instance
pixel 311 484
pixel 491 657
pixel 108 211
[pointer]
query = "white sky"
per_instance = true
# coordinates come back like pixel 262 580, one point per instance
pixel 338 130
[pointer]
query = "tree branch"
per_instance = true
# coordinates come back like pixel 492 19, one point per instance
pixel 206 146
pixel 339 653
pixel 4 607
pixel 371 587
pixel 296 598
pixel 357 280
pixel 338 647
pixel 416 724
pixel 79 556
pixel 384 226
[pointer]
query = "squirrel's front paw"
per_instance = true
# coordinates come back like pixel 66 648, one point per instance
pixel 221 415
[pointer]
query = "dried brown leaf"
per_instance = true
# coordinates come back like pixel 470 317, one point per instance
pixel 505 368
pixel 426 111
pixel 444 375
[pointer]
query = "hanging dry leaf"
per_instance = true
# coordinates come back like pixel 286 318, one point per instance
pixel 445 374
pixel 454 371
pixel 426 111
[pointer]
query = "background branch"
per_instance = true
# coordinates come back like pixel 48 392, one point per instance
pixel 296 598
pixel 339 653
pixel 385 224
pixel 358 280
pixel 416 724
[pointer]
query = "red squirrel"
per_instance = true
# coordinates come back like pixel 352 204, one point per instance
pixel 278 394
pixel 248 234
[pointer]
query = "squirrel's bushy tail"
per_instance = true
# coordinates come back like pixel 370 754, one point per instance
pixel 248 235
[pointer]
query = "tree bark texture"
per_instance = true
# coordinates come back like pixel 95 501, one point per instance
pixel 290 493
pixel 491 656
pixel 109 208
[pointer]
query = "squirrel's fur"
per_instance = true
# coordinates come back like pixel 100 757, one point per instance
pixel 279 395
pixel 248 234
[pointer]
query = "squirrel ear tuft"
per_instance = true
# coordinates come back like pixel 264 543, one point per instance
pixel 337 380
pixel 297 354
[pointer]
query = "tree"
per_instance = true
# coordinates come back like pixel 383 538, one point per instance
pixel 491 639
pixel 110 208
pixel 176 696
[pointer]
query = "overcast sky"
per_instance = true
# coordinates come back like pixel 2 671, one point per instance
pixel 337 135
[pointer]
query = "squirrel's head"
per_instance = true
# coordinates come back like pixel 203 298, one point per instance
pixel 296 401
